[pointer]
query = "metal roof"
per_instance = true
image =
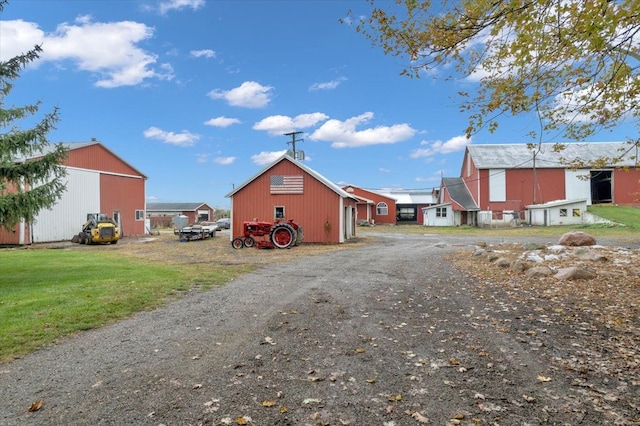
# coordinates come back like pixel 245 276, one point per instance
pixel 518 156
pixel 459 193
pixel 408 197
pixel 174 207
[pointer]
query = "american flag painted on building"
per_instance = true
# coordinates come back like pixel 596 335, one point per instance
pixel 280 184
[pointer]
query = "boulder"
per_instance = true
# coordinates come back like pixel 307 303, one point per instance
pixel 503 263
pixel 539 271
pixel 519 266
pixel 576 238
pixel 575 273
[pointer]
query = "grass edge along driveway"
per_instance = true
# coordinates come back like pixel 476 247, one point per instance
pixel 49 294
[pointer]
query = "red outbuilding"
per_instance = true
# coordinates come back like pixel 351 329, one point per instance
pixel 97 181
pixel 289 190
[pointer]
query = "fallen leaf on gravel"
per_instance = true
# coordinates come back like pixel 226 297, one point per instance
pixel 311 401
pixel 528 398
pixel 458 416
pixel 269 403
pixel 544 379
pixel 420 418
pixel 268 340
pixel 390 409
pixel 283 409
pixel 197 386
pixel 478 396
pixel 371 381
pixel 36 405
pixel 243 420
pixel 395 397
pixel 360 350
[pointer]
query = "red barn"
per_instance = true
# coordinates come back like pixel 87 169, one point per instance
pixel 289 190
pixel 499 181
pixel 374 208
pixel 510 177
pixel 98 181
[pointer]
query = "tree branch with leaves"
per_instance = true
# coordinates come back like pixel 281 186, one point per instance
pixel 573 62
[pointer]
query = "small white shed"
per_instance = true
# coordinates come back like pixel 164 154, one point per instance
pixel 440 215
pixel 559 212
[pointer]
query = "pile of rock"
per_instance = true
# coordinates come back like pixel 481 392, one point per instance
pixel 576 256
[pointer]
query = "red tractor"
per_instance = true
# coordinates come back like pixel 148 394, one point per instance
pixel 272 234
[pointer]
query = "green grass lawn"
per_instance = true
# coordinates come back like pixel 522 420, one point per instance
pixel 628 216
pixel 47 294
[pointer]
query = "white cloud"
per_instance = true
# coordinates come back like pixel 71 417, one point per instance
pixel 206 53
pixel 455 144
pixel 169 5
pixel 265 158
pixel 343 134
pixel 428 179
pixel 224 160
pixel 280 124
pixel 383 170
pixel 222 121
pixel 202 158
pixel 185 138
pixel 249 94
pixel 108 50
pixel 329 85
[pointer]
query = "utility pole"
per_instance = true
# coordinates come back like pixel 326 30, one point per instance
pixel 293 142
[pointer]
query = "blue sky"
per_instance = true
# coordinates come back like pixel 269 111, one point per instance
pixel 197 95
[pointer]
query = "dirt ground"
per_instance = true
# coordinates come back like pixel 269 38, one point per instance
pixel 389 330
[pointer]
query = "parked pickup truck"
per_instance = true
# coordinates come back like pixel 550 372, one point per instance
pixel 198 231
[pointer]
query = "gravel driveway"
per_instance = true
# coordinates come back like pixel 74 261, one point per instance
pixel 384 334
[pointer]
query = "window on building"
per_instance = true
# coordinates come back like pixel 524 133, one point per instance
pixel 441 212
pixel 563 212
pixel 203 215
pixel 576 212
pixel 279 212
pixel 382 209
pixel 139 214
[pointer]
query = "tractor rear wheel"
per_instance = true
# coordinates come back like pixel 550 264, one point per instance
pixel 300 235
pixel 237 243
pixel 249 242
pixel 283 235
pixel 87 238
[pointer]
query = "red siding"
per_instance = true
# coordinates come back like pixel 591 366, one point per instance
pixel 626 187
pixel 316 210
pixel 125 194
pixel 389 218
pixel 97 157
pixel 472 179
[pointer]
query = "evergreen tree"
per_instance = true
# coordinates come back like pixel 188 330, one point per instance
pixel 31 174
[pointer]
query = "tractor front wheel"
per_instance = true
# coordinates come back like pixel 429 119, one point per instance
pixel 237 243
pixel 283 235
pixel 249 242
